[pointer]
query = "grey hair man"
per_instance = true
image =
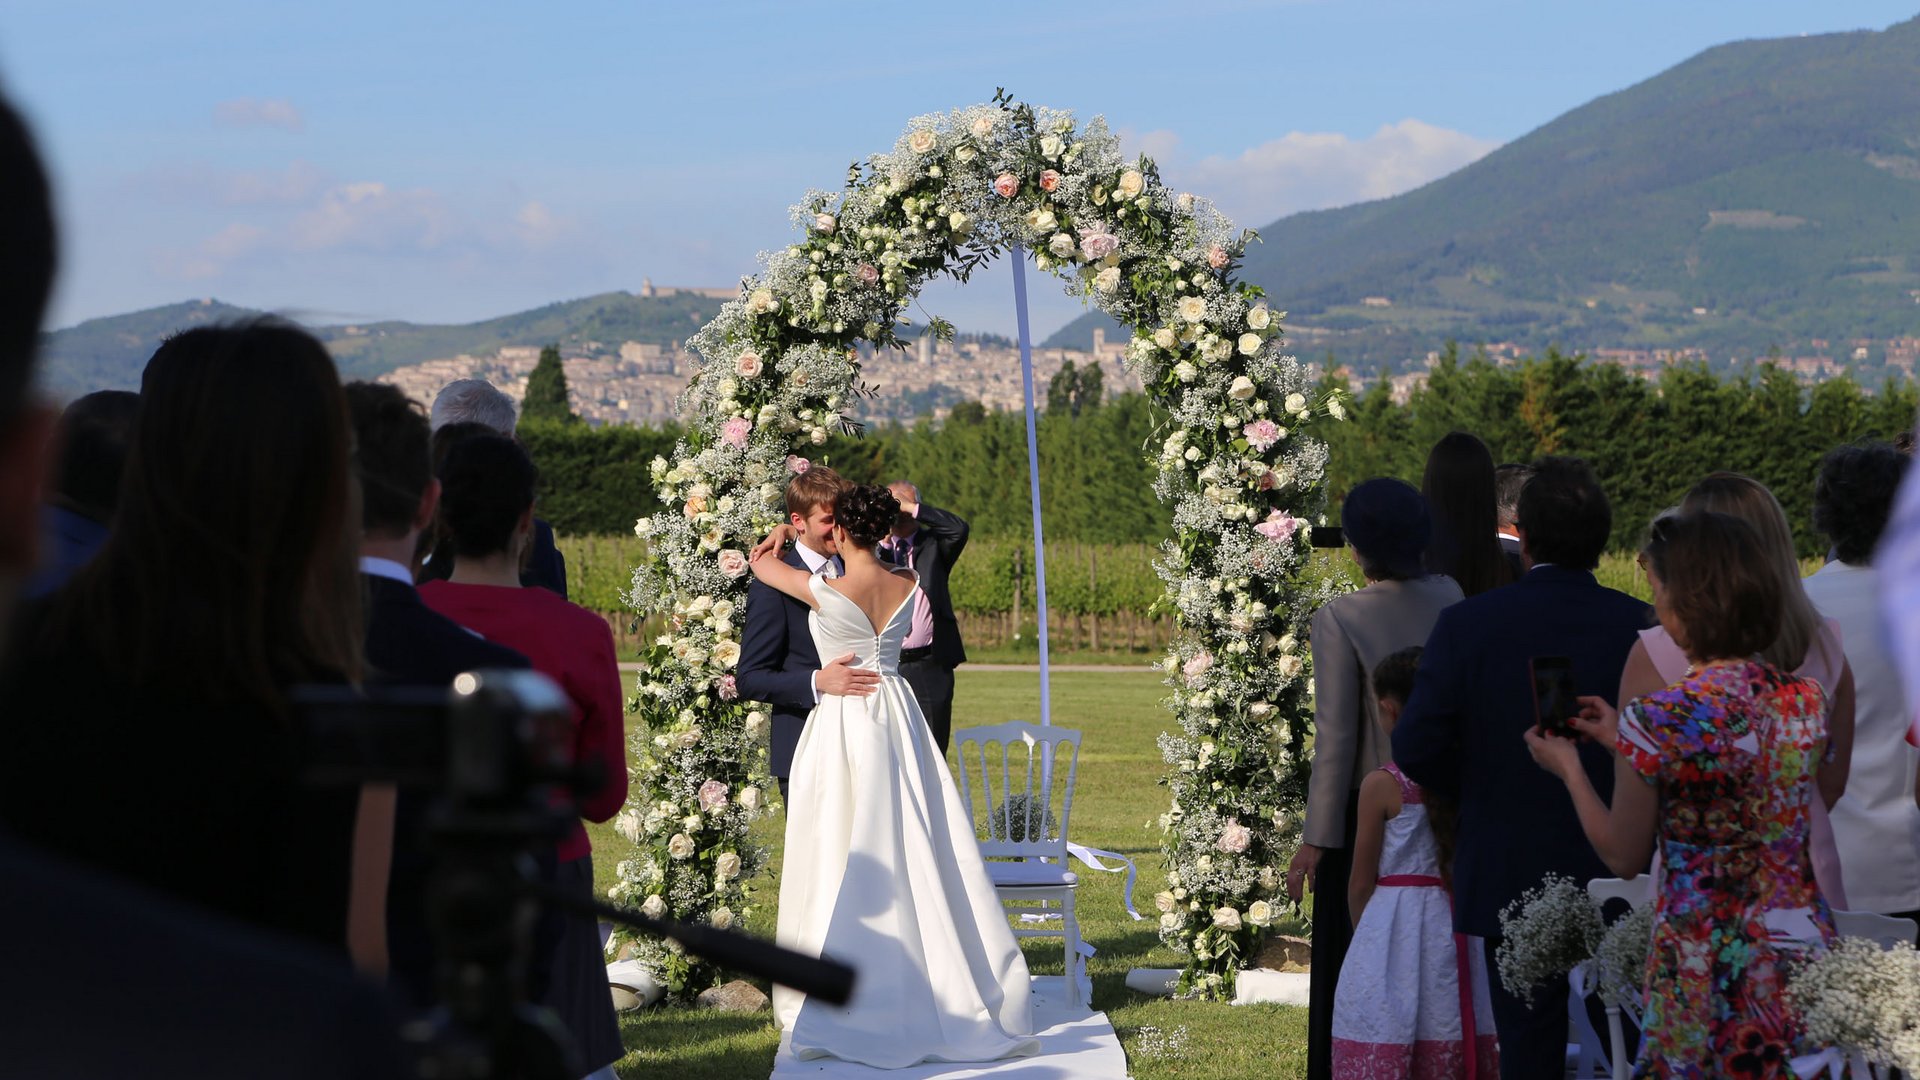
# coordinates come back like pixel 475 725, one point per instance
pixel 474 401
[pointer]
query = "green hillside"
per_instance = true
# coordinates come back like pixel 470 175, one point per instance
pixel 1773 185
pixel 111 352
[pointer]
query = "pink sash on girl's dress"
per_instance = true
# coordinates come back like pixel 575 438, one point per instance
pixel 1822 664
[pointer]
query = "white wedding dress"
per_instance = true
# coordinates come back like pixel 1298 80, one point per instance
pixel 882 872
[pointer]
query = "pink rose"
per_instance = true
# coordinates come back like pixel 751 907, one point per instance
pixel 1217 257
pixel 1006 185
pixel 734 432
pixel 733 562
pixel 1279 526
pixel 1197 666
pixel 868 274
pixel 1049 180
pixel 1268 481
pixel 729 690
pixel 1234 839
pixel 797 465
pixel 748 364
pixel 1261 434
pixel 1097 242
pixel 713 795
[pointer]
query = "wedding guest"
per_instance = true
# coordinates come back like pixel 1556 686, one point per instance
pixel 477 401
pixel 1719 770
pixel 1386 524
pixel 1459 489
pixel 1507 481
pixel 486 508
pixel 1473 697
pixel 90 452
pixel 164 665
pixel 1400 1011
pixel 215 1000
pixel 929 540
pixel 1876 824
pixel 408 644
pixel 1807 645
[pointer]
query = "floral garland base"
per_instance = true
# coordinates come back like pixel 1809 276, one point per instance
pixel 1237 465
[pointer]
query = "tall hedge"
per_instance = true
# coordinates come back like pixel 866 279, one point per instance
pixel 594 480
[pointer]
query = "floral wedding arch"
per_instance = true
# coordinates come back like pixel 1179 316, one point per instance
pixel 1237 465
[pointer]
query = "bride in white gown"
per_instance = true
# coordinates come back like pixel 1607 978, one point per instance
pixel 881 869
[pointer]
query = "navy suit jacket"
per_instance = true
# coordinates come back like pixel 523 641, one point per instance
pixel 410 644
pixel 777 662
pixel 1461 733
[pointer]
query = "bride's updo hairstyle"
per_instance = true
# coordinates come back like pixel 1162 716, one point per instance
pixel 867 513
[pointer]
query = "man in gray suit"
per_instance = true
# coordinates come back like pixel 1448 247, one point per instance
pixel 1387 525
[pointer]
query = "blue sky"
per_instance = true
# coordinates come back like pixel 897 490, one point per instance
pixel 354 161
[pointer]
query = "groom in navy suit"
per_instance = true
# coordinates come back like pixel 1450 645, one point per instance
pixel 778 663
pixel 1462 732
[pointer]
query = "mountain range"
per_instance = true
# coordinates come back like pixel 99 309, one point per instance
pixel 1761 196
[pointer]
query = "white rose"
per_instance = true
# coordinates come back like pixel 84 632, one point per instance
pixel 733 562
pixel 726 653
pixel 1216 349
pixel 681 846
pixel 1108 280
pixel 1165 338
pixel 1186 373
pixel 756 723
pixel 1172 920
pixel 1288 643
pixel 1242 388
pixel 1296 403
pixel 1192 308
pixel 1163 901
pixel 722 918
pixel 727 866
pixel 1185 201
pixel 642 527
pixel 1290 665
pixel 921 142
pixel 1192 453
pixel 1042 221
pixel 689 738
pixel 627 824
pixel 1226 918
pixel 1062 245
pixel 761 302
pixel 1335 409
pixel 653 907
pixel 982 127
pixel 1259 317
pixel 825 223
pixel 817 436
pixel 749 798
pixel 1051 146
pixel 1131 184
pixel 1259 913
pixel 1249 344
pixel 722 609
pixel 959 222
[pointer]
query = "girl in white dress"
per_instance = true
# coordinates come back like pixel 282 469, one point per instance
pixel 881 868
pixel 1401 1011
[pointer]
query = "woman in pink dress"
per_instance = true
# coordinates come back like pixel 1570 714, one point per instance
pixel 1807 646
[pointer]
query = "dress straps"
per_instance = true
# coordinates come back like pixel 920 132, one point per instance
pixel 1409 791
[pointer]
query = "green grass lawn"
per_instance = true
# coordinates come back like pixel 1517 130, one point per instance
pixel 1115 801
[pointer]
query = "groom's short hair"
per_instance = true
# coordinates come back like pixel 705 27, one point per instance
pixel 818 486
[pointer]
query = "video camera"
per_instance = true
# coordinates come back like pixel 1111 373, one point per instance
pixel 494 756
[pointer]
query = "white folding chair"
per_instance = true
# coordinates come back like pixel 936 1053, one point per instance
pixel 1635 892
pixel 1017 780
pixel 1886 931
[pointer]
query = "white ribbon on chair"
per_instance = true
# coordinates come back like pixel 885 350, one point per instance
pixel 1583 980
pixel 1832 1062
pixel 1090 857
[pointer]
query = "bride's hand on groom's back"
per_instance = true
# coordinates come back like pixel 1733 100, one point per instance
pixel 842 679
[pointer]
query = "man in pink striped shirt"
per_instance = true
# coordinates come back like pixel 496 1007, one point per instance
pixel 928 540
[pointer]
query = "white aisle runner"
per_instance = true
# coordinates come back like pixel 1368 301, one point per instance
pixel 1075 1044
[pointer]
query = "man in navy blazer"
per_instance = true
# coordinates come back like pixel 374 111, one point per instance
pixel 1461 733
pixel 778 663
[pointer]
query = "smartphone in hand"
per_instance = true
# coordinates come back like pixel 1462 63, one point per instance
pixel 1555 701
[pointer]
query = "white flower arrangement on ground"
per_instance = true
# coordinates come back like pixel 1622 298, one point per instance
pixel 1862 999
pixel 1621 960
pixel 1239 468
pixel 1545 933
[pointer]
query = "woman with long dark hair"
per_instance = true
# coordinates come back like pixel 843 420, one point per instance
pixel 148 730
pixel 1459 490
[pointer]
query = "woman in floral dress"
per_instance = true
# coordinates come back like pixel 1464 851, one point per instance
pixel 1720 768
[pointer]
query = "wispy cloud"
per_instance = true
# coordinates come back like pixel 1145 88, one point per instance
pixel 1305 170
pixel 260 112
